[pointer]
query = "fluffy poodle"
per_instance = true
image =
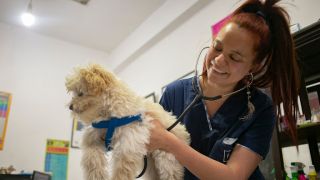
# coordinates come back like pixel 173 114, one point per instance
pixel 99 97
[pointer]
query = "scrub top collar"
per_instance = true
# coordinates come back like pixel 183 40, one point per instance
pixel 232 107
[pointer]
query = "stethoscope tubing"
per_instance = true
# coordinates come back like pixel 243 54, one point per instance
pixel 200 95
pixel 186 110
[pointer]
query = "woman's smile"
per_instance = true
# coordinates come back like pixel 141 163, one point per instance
pixel 218 71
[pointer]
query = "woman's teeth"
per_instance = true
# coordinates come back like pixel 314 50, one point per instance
pixel 220 72
pixel 216 70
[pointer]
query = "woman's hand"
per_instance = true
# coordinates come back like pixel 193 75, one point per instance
pixel 159 137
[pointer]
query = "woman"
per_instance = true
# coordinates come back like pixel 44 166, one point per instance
pixel 231 136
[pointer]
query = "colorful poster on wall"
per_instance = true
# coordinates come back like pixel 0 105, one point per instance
pixel 5 101
pixel 56 162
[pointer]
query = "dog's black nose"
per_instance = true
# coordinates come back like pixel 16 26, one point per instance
pixel 71 107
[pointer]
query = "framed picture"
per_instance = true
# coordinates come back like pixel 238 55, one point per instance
pixel 151 97
pixel 185 76
pixel 5 102
pixel 77 133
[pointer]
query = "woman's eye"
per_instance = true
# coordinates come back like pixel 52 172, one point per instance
pixel 234 58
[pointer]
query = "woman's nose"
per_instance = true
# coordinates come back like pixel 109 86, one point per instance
pixel 220 59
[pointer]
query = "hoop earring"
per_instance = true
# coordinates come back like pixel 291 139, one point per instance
pixel 250 105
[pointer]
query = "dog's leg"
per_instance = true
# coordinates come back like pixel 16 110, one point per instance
pixel 128 152
pixel 94 161
pixel 167 167
pixel 126 166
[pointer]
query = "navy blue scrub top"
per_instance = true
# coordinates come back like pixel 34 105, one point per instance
pixel 254 133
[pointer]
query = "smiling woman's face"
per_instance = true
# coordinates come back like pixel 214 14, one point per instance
pixel 230 57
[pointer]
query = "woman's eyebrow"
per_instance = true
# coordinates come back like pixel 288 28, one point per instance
pixel 237 52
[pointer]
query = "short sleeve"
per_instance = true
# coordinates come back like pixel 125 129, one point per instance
pixel 173 98
pixel 257 137
pixel 165 100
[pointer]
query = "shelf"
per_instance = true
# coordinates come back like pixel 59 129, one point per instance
pixel 312 130
pixel 307 43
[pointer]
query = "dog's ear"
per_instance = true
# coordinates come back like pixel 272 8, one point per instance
pixel 97 79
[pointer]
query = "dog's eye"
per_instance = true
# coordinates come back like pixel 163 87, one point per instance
pixel 80 94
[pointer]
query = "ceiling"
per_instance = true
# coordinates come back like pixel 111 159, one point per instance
pixel 100 24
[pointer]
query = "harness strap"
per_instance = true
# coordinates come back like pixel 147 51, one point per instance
pixel 114 123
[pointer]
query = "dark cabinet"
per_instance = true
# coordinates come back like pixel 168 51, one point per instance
pixel 307 42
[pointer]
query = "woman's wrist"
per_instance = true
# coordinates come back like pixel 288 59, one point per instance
pixel 169 141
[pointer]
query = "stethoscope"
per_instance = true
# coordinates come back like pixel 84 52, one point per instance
pixel 199 93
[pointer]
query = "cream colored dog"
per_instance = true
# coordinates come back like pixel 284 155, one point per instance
pixel 99 96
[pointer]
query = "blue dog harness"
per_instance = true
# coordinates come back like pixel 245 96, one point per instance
pixel 111 125
pixel 114 123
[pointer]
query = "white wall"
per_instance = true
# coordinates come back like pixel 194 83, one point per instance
pixel 175 50
pixel 33 68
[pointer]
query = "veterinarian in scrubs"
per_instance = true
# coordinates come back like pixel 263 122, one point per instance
pixel 228 141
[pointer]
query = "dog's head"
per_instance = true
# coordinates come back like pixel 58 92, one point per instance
pixel 90 86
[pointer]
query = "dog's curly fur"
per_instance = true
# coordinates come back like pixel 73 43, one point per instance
pixel 99 95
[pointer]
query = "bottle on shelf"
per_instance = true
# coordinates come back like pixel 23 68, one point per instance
pixel 294 172
pixel 300 166
pixel 312 175
pixel 314 106
pixel 282 123
pixel 301 116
